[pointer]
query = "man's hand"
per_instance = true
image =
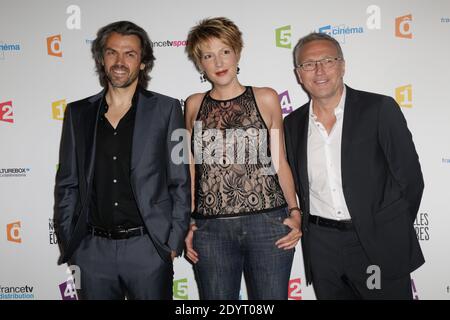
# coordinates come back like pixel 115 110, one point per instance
pixel 191 254
pixel 290 240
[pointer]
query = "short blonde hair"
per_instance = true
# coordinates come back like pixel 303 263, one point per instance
pixel 221 28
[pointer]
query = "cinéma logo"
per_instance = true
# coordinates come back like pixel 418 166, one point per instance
pixel 294 290
pixel 403 96
pixel 340 32
pixel 54 47
pixel 403 27
pixel 8 47
pixel 13 232
pixel 6 112
pixel 58 108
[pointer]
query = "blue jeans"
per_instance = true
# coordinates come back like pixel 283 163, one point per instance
pixel 228 247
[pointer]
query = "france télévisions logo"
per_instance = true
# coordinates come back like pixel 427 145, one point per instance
pixel 6 112
pixel 14 172
pixel 16 292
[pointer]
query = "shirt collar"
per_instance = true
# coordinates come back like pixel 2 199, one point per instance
pixel 338 111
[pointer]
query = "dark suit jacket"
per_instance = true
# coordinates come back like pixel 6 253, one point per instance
pixel 161 187
pixel 381 179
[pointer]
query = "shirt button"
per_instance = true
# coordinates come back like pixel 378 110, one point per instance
pixel 115 181
pixel 116 204
pixel 115 133
pixel 114 158
pixel 339 212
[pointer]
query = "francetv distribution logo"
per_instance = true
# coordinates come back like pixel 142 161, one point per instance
pixel 16 292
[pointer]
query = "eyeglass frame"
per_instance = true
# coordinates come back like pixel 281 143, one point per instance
pixel 335 59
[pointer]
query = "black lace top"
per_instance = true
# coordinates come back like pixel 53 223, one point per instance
pixel 234 174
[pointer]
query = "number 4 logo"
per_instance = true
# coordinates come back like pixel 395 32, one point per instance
pixel 6 112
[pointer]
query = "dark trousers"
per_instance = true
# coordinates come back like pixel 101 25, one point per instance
pixel 118 269
pixel 340 268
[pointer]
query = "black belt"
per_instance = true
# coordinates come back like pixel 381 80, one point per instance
pixel 118 233
pixel 324 222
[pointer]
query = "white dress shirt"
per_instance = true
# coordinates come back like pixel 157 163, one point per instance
pixel 324 166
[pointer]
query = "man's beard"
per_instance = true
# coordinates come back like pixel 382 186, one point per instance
pixel 121 83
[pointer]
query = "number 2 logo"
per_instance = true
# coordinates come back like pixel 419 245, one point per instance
pixel 6 112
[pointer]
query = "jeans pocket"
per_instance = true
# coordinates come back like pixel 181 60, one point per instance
pixel 277 217
pixel 201 224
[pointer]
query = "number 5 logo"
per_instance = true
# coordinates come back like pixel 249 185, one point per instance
pixel 6 112
pixel 283 37
pixel 180 289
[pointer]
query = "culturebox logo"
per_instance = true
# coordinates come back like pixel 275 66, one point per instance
pixel 54 46
pixel 340 32
pixel 13 232
pixel 58 108
pixel 6 112
pixel 13 172
pixel 295 289
pixel 283 37
pixel 180 289
pixel 422 226
pixel 16 292
pixel 403 96
pixel 403 27
pixel 8 47
pixel 285 102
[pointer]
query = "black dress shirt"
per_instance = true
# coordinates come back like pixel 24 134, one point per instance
pixel 113 203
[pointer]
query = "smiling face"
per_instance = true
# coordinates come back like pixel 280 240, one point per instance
pixel 321 83
pixel 122 60
pixel 219 61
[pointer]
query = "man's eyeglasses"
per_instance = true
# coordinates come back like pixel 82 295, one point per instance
pixel 326 63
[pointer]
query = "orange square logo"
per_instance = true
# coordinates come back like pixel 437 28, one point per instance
pixel 54 46
pixel 403 26
pixel 13 232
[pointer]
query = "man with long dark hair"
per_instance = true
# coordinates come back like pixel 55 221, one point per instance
pixel 121 204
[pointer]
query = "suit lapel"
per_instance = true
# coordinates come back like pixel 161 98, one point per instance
pixel 302 155
pixel 142 125
pixel 351 115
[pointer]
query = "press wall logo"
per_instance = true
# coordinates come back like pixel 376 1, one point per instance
pixel 13 232
pixel 6 112
pixel 403 96
pixel 14 172
pixel 422 226
pixel 295 289
pixel 58 108
pixel 446 160
pixel 285 102
pixel 5 48
pixel 340 32
pixel 283 37
pixel 54 46
pixel 403 27
pixel 180 289
pixel 68 288
pixel 16 292
pixel 53 239
pixel 445 20
pixel 168 43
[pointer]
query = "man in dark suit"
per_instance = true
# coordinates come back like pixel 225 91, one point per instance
pixel 122 203
pixel 358 178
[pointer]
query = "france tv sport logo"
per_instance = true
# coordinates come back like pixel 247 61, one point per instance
pixel 13 232
pixel 6 112
pixel 403 26
pixel 54 47
pixel 403 96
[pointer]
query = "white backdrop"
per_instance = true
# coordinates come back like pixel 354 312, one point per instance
pixel 398 48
